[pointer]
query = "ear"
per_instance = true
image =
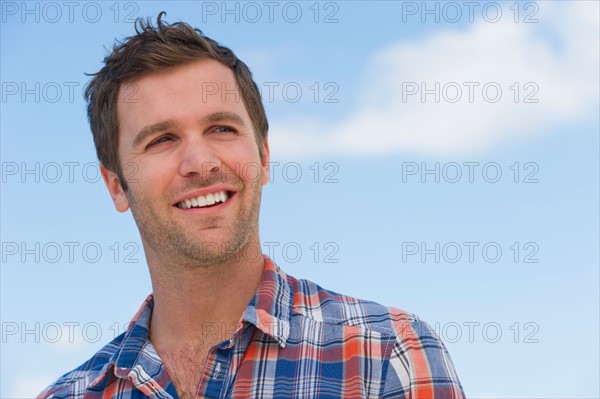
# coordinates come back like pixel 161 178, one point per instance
pixel 265 161
pixel 114 188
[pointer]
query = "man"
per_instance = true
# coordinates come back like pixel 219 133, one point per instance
pixel 176 120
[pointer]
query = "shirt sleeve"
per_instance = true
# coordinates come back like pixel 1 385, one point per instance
pixel 420 366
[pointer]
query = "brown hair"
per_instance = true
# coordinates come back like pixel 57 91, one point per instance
pixel 155 48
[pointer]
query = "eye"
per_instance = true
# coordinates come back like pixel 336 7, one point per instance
pixel 226 130
pixel 161 139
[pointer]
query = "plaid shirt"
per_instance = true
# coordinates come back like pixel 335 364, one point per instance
pixel 295 340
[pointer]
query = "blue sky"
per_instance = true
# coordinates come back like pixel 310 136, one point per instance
pixel 447 167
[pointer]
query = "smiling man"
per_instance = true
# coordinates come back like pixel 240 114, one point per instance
pixel 183 113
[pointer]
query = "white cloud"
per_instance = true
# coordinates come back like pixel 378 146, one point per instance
pixel 558 56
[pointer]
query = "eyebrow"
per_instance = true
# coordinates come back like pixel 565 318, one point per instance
pixel 149 130
pixel 169 124
pixel 224 117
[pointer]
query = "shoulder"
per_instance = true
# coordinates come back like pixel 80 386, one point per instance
pixel 74 384
pixel 326 306
pixel 416 360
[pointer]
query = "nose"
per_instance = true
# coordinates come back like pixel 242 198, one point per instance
pixel 198 158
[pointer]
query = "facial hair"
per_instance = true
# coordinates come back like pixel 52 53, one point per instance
pixel 167 240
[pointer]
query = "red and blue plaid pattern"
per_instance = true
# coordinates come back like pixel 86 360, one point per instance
pixel 295 340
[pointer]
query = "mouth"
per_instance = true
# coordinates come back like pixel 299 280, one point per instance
pixel 206 201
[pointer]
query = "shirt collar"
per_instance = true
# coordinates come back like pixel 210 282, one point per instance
pixel 269 310
pixel 131 345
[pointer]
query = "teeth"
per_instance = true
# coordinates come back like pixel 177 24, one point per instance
pixel 202 200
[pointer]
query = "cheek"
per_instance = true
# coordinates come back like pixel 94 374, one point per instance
pixel 151 176
pixel 244 161
pixel 131 172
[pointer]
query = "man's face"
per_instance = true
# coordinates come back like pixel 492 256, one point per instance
pixel 186 139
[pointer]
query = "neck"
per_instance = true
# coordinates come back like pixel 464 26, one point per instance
pixel 203 303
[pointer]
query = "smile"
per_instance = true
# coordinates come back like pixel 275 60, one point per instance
pixel 204 201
